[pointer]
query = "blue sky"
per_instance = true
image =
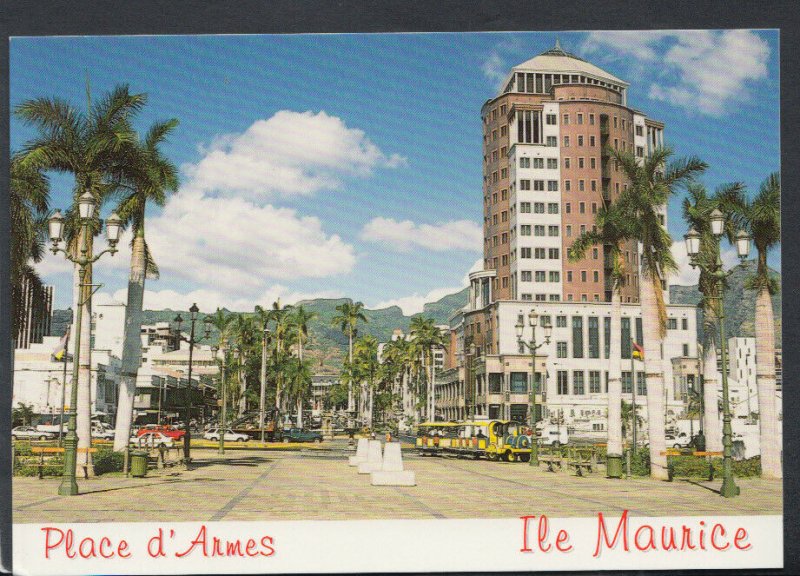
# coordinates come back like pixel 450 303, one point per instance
pixel 350 165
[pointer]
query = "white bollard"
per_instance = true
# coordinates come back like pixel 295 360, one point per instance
pixel 361 453
pixel 392 473
pixel 374 458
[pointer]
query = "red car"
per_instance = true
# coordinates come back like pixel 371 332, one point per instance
pixel 171 431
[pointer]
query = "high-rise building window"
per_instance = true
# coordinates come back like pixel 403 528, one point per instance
pixel 568 208
pixel 596 276
pixel 627 387
pixel 538 162
pixel 606 337
pixel 577 337
pixel 566 162
pixel 539 253
pixel 554 276
pixel 552 141
pixel 552 230
pixel 541 276
pixel 561 321
pixel 552 185
pixel 569 231
pixel 581 185
pixel 566 141
pixel 580 163
pixel 525 230
pixel 580 140
pixel 625 342
pixel 593 162
pixel 525 207
pixel 553 253
pixel 552 163
pixel 562 382
pixel 524 162
pixel 561 349
pixel 569 272
pixel 591 119
pixel 552 208
pixel 580 118
pixel 567 186
pixel 526 276
pixel 582 207
pixel 565 121
pixel 538 185
pixel 524 184
pixel 529 127
pixel 538 207
pixel 552 119
pixel 577 382
pixel 594 337
pixel 538 230
pixel 594 382
pixel 525 252
pixel 583 275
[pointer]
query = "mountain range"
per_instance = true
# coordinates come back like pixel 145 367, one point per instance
pixel 328 346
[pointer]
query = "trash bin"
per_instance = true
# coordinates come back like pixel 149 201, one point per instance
pixel 138 464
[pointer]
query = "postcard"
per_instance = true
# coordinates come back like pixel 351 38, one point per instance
pixel 396 302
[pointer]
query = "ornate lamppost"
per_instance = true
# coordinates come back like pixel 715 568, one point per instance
pixel 86 209
pixel 191 340
pixel 532 347
pixel 729 489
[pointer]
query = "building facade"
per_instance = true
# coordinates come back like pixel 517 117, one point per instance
pixel 547 171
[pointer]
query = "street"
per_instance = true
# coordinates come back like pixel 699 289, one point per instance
pixel 313 484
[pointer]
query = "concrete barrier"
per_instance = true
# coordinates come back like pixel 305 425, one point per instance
pixel 374 458
pixel 391 472
pixel 361 453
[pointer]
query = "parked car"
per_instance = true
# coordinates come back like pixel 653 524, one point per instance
pixel 152 439
pixel 553 436
pixel 300 435
pixel 171 431
pixel 102 433
pixel 230 435
pixel 31 433
pixel 681 440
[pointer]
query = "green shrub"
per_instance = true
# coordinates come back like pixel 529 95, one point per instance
pixel 106 460
pixel 697 467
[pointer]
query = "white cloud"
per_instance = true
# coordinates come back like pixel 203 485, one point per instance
pixel 494 68
pixel 688 276
pixel 700 70
pixel 415 303
pixel 289 154
pixel 209 300
pixel 405 235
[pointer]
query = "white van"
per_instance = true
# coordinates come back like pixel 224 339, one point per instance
pixel 551 435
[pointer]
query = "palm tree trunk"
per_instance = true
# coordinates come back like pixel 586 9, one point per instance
pixel 765 382
pixel 350 383
pixel 614 377
pixel 299 410
pixel 711 424
pixel 132 345
pixel 654 373
pixel 84 416
pixel 242 385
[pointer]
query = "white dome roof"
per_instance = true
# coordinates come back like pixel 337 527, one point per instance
pixel 560 61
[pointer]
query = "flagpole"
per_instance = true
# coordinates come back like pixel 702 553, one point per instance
pixel 633 396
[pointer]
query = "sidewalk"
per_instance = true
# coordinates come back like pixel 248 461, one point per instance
pixel 319 485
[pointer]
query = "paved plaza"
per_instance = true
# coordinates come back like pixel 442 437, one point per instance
pixel 319 485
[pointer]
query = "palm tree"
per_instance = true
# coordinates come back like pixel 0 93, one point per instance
pixel 22 415
pixel 301 319
pixel 697 207
pixel 154 176
pixel 425 337
pixel 92 146
pixel 350 313
pixel 761 218
pixel 282 339
pixel 366 360
pixel 651 184
pixel 29 202
pixel 244 332
pixel 611 232
pixel 298 376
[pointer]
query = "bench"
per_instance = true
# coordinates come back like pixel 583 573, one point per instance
pixel 581 459
pixel 551 456
pixel 42 450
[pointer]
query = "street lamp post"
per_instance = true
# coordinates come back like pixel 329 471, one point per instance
pixel 473 351
pixel 729 489
pixel 265 342
pixel 187 437
pixel 532 346
pixel 86 209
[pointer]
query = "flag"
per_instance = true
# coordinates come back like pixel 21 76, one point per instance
pixel 61 349
pixel 638 351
